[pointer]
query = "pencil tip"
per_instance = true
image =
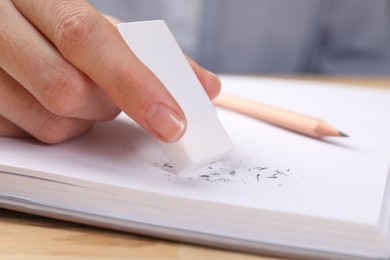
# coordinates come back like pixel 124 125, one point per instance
pixel 343 134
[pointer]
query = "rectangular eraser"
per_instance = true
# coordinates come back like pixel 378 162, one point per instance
pixel 205 139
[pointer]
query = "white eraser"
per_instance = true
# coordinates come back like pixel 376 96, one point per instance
pixel 205 139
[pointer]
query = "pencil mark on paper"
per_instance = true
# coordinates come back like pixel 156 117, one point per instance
pixel 259 168
pixel 244 170
pixel 221 179
pixel 278 172
pixel 168 165
pixel 241 171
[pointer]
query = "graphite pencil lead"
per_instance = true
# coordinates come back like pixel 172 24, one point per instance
pixel 343 134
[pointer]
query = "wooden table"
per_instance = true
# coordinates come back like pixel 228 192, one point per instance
pixel 24 236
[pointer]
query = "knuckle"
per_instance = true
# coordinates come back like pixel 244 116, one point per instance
pixel 55 129
pixel 65 94
pixel 73 29
pixel 113 113
pixel 125 77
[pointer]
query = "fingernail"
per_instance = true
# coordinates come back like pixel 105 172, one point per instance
pixel 213 75
pixel 165 122
pixel 216 85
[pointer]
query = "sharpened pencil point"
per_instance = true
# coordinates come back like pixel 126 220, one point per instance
pixel 343 134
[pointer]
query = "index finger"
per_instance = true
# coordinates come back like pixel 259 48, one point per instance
pixel 92 44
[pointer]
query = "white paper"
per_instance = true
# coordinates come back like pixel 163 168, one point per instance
pixel 283 174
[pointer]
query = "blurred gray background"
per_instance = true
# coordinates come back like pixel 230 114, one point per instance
pixel 272 36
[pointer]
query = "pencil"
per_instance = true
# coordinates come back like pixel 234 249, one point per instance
pixel 283 118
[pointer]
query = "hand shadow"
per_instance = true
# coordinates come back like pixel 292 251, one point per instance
pixel 118 141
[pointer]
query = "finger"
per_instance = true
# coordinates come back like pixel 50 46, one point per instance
pixel 111 19
pixel 7 128
pixel 92 44
pixel 210 82
pixel 23 110
pixel 37 65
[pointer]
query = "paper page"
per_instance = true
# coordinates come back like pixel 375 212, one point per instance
pixel 271 168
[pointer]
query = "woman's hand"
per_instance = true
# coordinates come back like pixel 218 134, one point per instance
pixel 64 66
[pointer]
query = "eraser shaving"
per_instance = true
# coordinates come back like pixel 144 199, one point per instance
pixel 205 139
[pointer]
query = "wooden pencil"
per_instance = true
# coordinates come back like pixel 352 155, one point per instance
pixel 292 121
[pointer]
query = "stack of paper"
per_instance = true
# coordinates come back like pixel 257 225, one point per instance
pixel 278 191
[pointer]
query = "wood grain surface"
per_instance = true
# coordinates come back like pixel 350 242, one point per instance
pixel 24 236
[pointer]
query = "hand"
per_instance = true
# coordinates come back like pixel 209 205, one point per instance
pixel 64 66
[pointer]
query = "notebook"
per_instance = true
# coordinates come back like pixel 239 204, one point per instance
pixel 278 192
